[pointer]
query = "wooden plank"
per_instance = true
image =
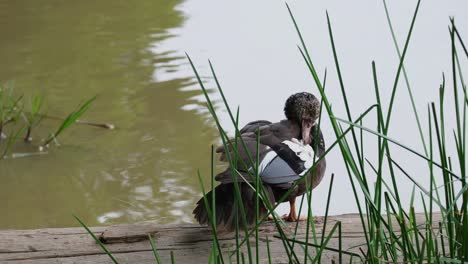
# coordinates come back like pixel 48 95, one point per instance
pixel 189 243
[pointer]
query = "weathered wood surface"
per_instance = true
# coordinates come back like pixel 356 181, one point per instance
pixel 189 243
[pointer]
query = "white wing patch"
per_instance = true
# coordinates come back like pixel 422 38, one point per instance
pixel 304 152
pixel 266 160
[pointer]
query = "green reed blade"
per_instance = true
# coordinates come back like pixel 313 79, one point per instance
pixel 416 232
pixel 447 186
pixel 257 195
pixel 349 253
pixel 345 98
pixel 460 39
pixel 349 160
pixel 405 75
pixel 326 213
pixel 325 243
pixel 398 144
pixel 268 250
pixel 96 239
pixel 393 240
pixel 385 130
pixel 426 192
pixel 211 258
pixel 395 83
pixel 309 190
pixel 237 196
pixel 378 184
pixel 155 249
pixel 11 140
pixel 70 119
pixel 210 213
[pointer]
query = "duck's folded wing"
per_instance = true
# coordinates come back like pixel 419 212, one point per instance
pixel 275 133
pixel 243 152
pixel 270 138
pixel 248 140
pixel 254 126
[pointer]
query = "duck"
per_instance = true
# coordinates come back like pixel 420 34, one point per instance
pixel 287 151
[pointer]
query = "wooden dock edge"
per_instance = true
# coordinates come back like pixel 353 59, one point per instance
pixel 189 243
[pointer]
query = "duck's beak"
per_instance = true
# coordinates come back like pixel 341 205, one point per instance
pixel 306 125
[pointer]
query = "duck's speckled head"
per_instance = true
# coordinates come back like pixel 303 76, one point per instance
pixel 303 108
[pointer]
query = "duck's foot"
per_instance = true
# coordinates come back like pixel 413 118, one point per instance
pixel 293 218
pixel 286 217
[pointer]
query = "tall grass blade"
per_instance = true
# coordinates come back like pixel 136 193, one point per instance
pixel 326 213
pixel 96 239
pixel 155 249
pixel 211 215
pixel 70 119
pixel 400 66
pixel 405 75
pixel 398 144
pixel 268 250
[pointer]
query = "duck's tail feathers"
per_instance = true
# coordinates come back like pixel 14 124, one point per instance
pixel 228 212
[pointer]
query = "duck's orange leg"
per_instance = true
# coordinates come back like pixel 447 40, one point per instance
pixel 292 216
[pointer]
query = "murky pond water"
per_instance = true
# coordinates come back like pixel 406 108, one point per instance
pixel 131 55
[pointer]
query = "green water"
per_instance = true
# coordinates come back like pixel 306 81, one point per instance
pixel 145 170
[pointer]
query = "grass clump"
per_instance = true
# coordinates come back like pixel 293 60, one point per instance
pixel 20 115
pixel 392 232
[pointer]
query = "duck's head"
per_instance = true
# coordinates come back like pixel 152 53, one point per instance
pixel 303 108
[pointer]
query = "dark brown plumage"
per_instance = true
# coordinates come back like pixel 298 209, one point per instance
pixel 286 151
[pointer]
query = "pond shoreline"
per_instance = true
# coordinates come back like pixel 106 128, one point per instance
pixel 190 243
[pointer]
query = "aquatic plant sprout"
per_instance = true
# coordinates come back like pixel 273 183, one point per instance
pixel 19 116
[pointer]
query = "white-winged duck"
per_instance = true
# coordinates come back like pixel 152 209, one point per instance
pixel 286 152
